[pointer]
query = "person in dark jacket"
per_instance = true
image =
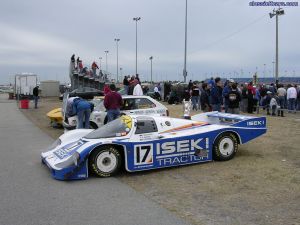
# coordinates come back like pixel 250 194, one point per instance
pixel 225 93
pixel 190 85
pixel 82 109
pixel 126 84
pixel 112 103
pixel 35 96
pixel 204 98
pixel 234 98
pixel 216 95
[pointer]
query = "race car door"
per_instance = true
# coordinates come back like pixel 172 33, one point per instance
pixel 148 149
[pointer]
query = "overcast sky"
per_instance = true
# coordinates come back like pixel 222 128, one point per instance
pixel 224 37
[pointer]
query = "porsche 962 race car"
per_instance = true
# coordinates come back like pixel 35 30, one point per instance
pixel 150 142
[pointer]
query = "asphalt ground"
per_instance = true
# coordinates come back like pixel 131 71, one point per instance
pixel 30 196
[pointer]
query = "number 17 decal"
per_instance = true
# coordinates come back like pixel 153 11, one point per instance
pixel 143 154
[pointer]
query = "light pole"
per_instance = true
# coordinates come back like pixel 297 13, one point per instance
pixel 151 57
pixel 264 70
pixel 106 52
pixel 276 13
pixel 100 58
pixel 136 19
pixel 185 44
pixel 117 43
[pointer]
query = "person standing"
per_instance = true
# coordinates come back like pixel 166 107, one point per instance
pixel 132 83
pixel 126 84
pixel 291 96
pixel 82 109
pixel 204 98
pixel 137 90
pixel 281 92
pixel 94 68
pixel 35 93
pixel 244 104
pixel 216 95
pixel 73 62
pixel 157 92
pixel 225 93
pixel 77 63
pixel 195 93
pixel 106 89
pixel 298 98
pixel 112 103
pixel 190 85
pixel 251 93
pixel 234 98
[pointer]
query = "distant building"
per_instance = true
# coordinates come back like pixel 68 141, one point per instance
pixel 49 88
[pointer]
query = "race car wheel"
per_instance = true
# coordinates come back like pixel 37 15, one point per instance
pixel 225 147
pixel 105 161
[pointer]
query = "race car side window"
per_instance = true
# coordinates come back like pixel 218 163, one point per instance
pixel 145 125
pixel 144 103
pixel 128 104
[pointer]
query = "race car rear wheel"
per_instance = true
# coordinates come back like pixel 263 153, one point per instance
pixel 225 147
pixel 105 161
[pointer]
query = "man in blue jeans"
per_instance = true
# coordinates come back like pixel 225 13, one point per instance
pixel 35 96
pixel 82 109
pixel 112 103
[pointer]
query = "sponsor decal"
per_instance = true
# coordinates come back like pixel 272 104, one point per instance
pixel 143 154
pixel 64 152
pixel 256 123
pixel 171 152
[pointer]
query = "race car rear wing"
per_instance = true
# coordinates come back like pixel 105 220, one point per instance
pixel 231 119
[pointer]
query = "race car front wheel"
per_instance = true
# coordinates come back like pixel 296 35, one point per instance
pixel 105 161
pixel 225 147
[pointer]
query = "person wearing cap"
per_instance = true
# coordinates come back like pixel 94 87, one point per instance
pixel 225 93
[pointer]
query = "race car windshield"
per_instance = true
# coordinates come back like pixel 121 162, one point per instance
pixel 117 128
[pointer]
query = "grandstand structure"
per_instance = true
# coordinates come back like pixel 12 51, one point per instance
pixel 83 79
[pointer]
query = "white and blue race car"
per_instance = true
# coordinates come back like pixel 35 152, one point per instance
pixel 150 142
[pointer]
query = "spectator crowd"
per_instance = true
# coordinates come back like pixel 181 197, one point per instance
pixel 231 97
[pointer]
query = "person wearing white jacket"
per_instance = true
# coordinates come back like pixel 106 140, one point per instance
pixel 274 105
pixel 291 96
pixel 138 91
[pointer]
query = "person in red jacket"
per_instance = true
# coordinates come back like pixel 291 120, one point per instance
pixel 112 103
pixel 106 89
pixel 94 68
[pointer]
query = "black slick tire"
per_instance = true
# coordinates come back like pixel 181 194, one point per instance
pixel 105 161
pixel 225 146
